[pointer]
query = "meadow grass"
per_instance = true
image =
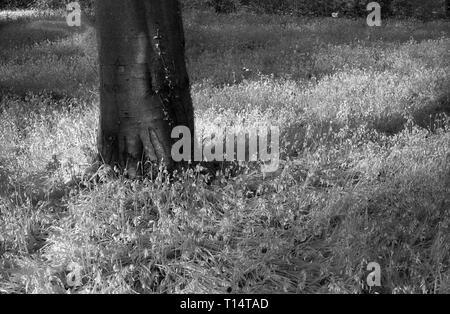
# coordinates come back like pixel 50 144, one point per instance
pixel 365 172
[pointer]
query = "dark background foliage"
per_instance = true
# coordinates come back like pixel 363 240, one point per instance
pixel 401 8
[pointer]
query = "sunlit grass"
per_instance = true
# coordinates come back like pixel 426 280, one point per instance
pixel 364 177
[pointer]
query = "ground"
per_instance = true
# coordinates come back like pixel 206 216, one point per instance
pixel 365 172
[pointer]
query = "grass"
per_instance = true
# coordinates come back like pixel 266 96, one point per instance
pixel 365 174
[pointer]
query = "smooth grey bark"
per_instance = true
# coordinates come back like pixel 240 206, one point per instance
pixel 144 85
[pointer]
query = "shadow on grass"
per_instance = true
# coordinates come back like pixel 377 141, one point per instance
pixel 300 135
pixel 27 33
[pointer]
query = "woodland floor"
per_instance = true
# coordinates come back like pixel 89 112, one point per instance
pixel 365 175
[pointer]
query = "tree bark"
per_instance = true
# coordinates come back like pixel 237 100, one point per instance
pixel 447 8
pixel 144 85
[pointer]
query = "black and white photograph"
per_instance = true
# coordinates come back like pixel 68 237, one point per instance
pixel 215 154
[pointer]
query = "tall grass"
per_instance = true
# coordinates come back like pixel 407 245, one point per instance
pixel 364 176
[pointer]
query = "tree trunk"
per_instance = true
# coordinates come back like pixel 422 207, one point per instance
pixel 144 86
pixel 447 8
